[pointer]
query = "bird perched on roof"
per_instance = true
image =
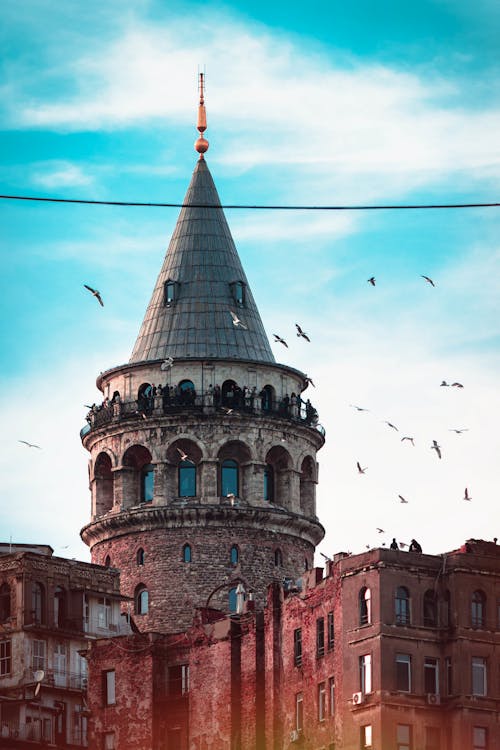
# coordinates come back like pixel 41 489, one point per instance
pixel 429 281
pixel 371 280
pixel 406 437
pixel 237 323
pixel 167 363
pixel 360 469
pixel 436 447
pixel 184 456
pixel 95 293
pixel 30 445
pixel 466 495
pixel 301 333
pixel 402 500
pixel 278 339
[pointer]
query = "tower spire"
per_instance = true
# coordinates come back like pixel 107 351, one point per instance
pixel 201 144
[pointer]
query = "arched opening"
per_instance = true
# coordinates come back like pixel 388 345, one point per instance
pixel 181 475
pixel 234 457
pixel 269 484
pixel 186 393
pixel 103 484
pixel 187 479
pixel 38 603
pixel 232 600
pixel 402 606
pixel 116 397
pixel 278 558
pixel 138 476
pixel 4 602
pixel 277 476
pixel 145 398
pixel 234 555
pixel 365 606
pixel 107 561
pixel 307 486
pixel 59 607
pixel 430 609
pixel 268 398
pixel 186 553
pixel 229 478
pixel 141 600
pixel 478 609
pixel 229 392
pixel 140 556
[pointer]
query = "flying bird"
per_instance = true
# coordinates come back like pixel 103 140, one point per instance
pixel 325 556
pixel 167 363
pixel 459 432
pixel 403 545
pixel 445 383
pixel 456 385
pixel 358 408
pixel 301 333
pixel 466 495
pixel 237 323
pixel 371 280
pixel 429 281
pixel 380 531
pixel 226 410
pixel 360 469
pixel 278 339
pixel 30 445
pixel 184 456
pixel 402 500
pixel 436 447
pixel 392 425
pixel 406 437
pixel 95 293
pixel 309 381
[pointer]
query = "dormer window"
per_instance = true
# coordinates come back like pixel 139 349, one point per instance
pixel 170 292
pixel 238 292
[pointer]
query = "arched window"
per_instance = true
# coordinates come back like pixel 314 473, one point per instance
pixel 234 555
pixel 269 483
pixel 430 609
pixel 103 480
pixel 228 392
pixel 187 479
pixel 306 564
pixel 145 401
pixel 59 607
pixel 229 478
pixel 107 561
pixel 478 609
pixel 169 292
pixel 141 600
pixel 4 602
pixel 186 391
pixel 402 606
pixel 267 396
pixel 147 483
pixel 140 556
pixel 278 558
pixel 365 606
pixel 38 603
pixel 186 553
pixel 232 600
pixel 238 292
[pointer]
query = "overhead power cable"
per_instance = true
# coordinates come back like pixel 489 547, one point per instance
pixel 401 207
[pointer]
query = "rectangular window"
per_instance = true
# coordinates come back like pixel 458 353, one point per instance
pixel 403 672
pixel 103 612
pixel 331 631
pixel 479 686
pixel 431 675
pixel 320 636
pixel 5 658
pixel 299 712
pixel 331 692
pixel 109 687
pixel 365 673
pixel 297 647
pixel 479 738
pixel 366 737
pixel 321 701
pixel 109 741
pixel 449 675
pixel 432 738
pixel 39 655
pixel 178 680
pixel 403 737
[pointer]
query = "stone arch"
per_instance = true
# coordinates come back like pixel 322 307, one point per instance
pixel 280 462
pixel 230 393
pixel 145 399
pixel 234 456
pixel 182 475
pixel 103 485
pixel 307 486
pixel 137 476
pixel 268 398
pixel 186 393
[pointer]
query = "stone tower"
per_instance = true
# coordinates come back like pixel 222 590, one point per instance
pixel 203 455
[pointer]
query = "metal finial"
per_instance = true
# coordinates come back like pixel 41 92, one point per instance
pixel 201 144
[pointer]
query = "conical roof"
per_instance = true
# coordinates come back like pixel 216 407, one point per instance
pixel 203 273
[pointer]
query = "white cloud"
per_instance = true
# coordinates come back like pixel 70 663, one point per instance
pixel 57 174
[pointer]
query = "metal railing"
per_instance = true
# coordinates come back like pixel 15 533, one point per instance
pixel 37 732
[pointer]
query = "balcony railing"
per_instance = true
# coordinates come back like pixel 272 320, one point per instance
pixel 302 413
pixel 61 678
pixel 34 731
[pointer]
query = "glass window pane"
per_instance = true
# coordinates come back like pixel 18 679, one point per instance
pixel 229 478
pixel 147 488
pixel 187 479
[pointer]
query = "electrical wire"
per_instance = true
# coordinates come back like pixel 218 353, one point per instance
pixel 397 207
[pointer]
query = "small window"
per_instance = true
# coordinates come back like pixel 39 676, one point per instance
pixel 187 479
pixel 38 655
pixel 234 555
pixel 297 647
pixel 366 737
pixel 147 483
pixel 186 553
pixel 365 673
pixel 299 712
pixel 107 561
pixel 478 607
pixel 4 602
pixel 109 687
pixel 229 478
pixel 178 680
pixel 331 691
pixel 403 737
pixel 430 609
pixel 365 606
pixel 232 600
pixel 141 601
pixel 140 556
pixel 321 701
pixel 402 606
pixel 38 603
pixel 269 484
pixel 59 607
pixel 403 672
pixel 278 558
pixel 238 292
pixel 320 636
pixel 169 292
pixel 479 738
pixel 431 675
pixel 331 630
pixel 5 658
pixel 109 741
pixel 479 686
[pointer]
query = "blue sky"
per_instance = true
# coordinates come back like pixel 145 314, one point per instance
pixel 335 103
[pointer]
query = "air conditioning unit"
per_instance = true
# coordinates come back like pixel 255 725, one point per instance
pixel 357 698
pixel 294 735
pixel 433 699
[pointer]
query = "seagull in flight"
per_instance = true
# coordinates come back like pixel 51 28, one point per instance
pixel 371 280
pixel 301 333
pixel 402 500
pixel 167 363
pixel 380 531
pixel 459 432
pixel 429 280
pixel 184 456
pixel 466 495
pixel 403 545
pixel 95 293
pixel 392 425
pixel 226 410
pixel 445 383
pixel 360 469
pixel 278 339
pixel 309 381
pixel 30 445
pixel 436 447
pixel 407 437
pixel 358 408
pixel 237 323
pixel 456 385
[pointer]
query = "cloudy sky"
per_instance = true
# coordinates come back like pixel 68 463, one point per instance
pixel 326 103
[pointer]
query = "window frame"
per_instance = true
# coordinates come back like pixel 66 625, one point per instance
pixel 430 609
pixel 331 695
pixel 478 609
pixel 365 606
pixel 431 675
pixel 5 602
pixel 321 701
pixel 403 743
pixel 402 611
pixel 5 657
pixel 403 675
pixel 365 674
pixel 475 741
pixel 330 627
pixel 366 737
pixel 479 672
pixel 147 479
pixel 297 647
pixel 38 654
pixel 229 467
pixel 141 600
pixel 320 637
pixel 109 687
pixel 234 555
pixel 186 468
pixel 299 712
